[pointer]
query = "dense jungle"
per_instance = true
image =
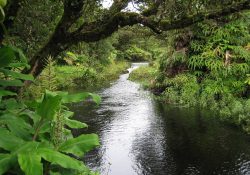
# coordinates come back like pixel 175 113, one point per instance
pixel 124 87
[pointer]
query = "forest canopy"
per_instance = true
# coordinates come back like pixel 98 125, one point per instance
pixel 75 21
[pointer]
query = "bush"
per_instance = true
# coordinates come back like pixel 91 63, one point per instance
pixel 144 75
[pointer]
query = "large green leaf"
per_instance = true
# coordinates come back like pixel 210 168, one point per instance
pixel 6 83
pixel 60 159
pixel 18 65
pixel 49 106
pixel 20 55
pixel 7 55
pixel 9 141
pixel 67 114
pixel 30 146
pixel 75 124
pixel 18 126
pixel 74 98
pixel 30 163
pixel 13 104
pixel 6 93
pixel 6 161
pixel 16 74
pixel 80 145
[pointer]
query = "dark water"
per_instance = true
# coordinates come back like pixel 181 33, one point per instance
pixel 140 136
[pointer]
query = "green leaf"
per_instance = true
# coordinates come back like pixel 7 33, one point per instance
pixel 7 55
pixel 17 65
pixel 49 106
pixel 6 83
pixel 46 127
pixel 6 161
pixel 80 145
pixel 16 74
pixel 20 55
pixel 67 114
pixel 74 98
pixel 17 126
pixel 6 93
pixel 30 163
pixel 75 124
pixel 9 141
pixel 12 104
pixel 60 159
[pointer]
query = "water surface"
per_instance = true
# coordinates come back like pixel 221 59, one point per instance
pixel 140 136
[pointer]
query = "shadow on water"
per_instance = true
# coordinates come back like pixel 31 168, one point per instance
pixel 140 136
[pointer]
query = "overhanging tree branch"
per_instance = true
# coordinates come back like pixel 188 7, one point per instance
pixel 102 29
pixel 109 23
pixel 189 20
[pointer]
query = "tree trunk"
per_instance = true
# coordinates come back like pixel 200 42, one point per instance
pixel 53 48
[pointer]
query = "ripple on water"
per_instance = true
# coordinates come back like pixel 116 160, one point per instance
pixel 142 137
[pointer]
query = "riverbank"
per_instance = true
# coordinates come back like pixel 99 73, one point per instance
pixel 66 77
pixel 184 90
pixel 144 75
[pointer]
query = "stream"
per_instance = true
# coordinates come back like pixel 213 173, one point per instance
pixel 140 136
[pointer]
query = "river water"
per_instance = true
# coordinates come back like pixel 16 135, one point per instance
pixel 140 136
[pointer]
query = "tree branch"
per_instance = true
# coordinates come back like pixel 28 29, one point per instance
pixel 166 25
pixel 101 29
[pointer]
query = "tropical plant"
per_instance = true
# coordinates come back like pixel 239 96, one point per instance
pixel 35 136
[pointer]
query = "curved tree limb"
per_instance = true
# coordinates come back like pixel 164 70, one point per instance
pixel 111 22
pixel 99 30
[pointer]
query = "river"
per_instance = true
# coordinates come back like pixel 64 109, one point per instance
pixel 140 136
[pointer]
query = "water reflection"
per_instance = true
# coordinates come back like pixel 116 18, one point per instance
pixel 142 137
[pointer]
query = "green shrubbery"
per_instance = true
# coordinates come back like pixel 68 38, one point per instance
pixel 35 136
pixel 57 77
pixel 207 65
pixel 134 53
pixel 144 75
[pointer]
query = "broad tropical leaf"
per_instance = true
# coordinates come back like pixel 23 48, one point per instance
pixel 6 93
pixel 9 141
pixel 60 159
pixel 17 126
pixel 16 75
pixel 30 163
pixel 80 145
pixel 75 124
pixel 49 106
pixel 6 161
pixel 6 83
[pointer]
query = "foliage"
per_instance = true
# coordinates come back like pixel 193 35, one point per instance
pixel 33 134
pixel 144 75
pixel 208 65
pixel 11 60
pixel 134 53
pixel 72 76
pixel 35 22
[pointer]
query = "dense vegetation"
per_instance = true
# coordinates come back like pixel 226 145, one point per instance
pixel 198 51
pixel 206 65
